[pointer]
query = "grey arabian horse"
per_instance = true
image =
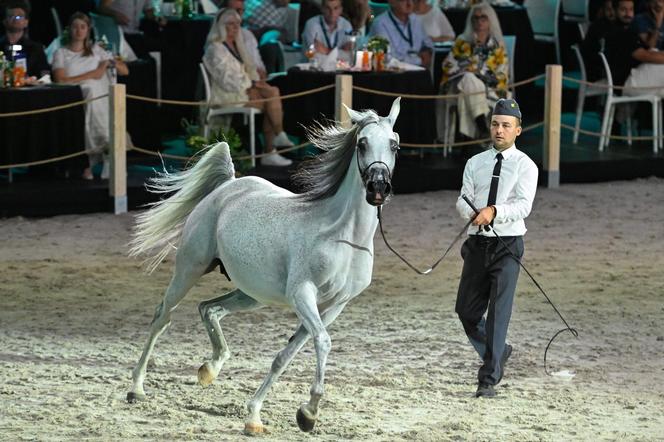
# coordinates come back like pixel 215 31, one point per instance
pixel 309 252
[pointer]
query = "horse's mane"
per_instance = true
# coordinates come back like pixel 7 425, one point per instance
pixel 320 177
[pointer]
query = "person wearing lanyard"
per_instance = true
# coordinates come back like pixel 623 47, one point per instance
pixel 403 29
pixel 327 31
pixel 502 181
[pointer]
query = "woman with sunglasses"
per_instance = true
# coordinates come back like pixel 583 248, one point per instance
pixel 477 67
pixel 234 78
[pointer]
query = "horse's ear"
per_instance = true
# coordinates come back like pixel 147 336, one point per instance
pixel 394 112
pixel 355 116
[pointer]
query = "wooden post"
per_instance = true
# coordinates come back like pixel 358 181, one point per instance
pixel 343 94
pixel 118 127
pixel 552 108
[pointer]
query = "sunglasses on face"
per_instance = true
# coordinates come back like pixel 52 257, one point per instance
pixel 16 17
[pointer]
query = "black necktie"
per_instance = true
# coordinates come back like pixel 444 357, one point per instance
pixel 493 190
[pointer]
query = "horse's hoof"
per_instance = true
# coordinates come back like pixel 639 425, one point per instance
pixel 135 397
pixel 305 423
pixel 205 375
pixel 252 428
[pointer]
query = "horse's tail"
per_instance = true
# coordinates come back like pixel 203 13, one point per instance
pixel 158 228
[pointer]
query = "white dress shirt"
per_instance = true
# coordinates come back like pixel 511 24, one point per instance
pixel 516 190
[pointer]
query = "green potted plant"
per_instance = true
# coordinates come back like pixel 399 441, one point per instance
pixel 197 142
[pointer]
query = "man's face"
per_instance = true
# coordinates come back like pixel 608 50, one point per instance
pixel 504 130
pixel 332 11
pixel 15 20
pixel 656 6
pixel 238 5
pixel 402 7
pixel 625 12
pixel 609 13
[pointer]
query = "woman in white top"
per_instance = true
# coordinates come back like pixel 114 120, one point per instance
pixel 85 63
pixel 234 78
pixel 435 23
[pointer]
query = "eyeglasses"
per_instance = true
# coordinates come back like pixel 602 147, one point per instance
pixel 482 17
pixel 16 17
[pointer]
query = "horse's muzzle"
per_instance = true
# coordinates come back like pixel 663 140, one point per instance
pixel 378 191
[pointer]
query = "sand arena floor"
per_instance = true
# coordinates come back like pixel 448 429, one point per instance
pixel 74 315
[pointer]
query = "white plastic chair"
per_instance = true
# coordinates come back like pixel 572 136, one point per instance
pixel 248 113
pixel 543 15
pixel 510 47
pixel 208 7
pixel 598 88
pixel 610 109
pixel 56 22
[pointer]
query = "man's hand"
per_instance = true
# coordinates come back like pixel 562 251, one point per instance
pixel 485 216
pixel 321 48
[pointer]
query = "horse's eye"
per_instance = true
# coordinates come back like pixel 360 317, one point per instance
pixel 394 145
pixel 362 143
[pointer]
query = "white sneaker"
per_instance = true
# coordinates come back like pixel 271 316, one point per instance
pixel 274 159
pixel 281 140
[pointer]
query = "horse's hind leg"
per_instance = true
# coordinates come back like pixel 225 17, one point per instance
pixel 212 312
pixel 184 277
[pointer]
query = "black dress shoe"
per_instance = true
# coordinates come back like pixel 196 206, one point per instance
pixel 485 390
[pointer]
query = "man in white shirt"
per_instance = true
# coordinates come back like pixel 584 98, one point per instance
pixel 328 30
pixel 502 181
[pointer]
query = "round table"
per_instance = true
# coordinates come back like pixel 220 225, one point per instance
pixel 45 135
pixel 416 122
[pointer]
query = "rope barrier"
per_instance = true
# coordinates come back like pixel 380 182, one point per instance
pixel 232 103
pixel 46 161
pixel 611 137
pixel 52 108
pixel 465 143
pixel 606 86
pixel 243 157
pixel 428 97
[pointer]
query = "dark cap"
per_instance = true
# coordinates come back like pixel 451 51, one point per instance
pixel 507 106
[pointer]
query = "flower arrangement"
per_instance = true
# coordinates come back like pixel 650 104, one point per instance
pixel 195 143
pixel 378 43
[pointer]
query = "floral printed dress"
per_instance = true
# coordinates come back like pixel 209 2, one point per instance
pixel 487 62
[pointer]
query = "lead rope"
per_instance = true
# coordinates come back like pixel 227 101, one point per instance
pixel 567 327
pixel 418 271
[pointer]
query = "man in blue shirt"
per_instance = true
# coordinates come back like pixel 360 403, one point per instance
pixel 328 30
pixel 408 40
pixel 650 25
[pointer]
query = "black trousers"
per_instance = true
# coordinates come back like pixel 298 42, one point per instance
pixel 487 285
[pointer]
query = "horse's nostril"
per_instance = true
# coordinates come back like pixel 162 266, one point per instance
pixel 388 188
pixel 370 187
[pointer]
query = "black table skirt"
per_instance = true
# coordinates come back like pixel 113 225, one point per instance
pixel 416 122
pixel 143 118
pixel 41 136
pixel 513 21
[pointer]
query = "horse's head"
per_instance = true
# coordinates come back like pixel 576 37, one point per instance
pixel 376 150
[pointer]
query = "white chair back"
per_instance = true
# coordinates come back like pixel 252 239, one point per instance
pixel 209 7
pixel 579 59
pixel 56 21
pixel 607 70
pixel 510 47
pixel 206 82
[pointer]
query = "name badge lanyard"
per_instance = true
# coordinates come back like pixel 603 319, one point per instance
pixel 327 39
pixel 409 37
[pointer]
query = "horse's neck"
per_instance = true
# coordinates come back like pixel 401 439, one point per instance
pixel 350 216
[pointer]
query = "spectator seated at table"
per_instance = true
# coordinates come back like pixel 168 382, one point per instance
pixel 595 39
pixel 250 42
pixel 327 31
pixel 16 15
pixel 142 36
pixel 649 25
pixel 435 23
pixel 477 66
pixel 82 62
pixel 358 13
pixel 233 78
pixel 631 63
pixel 403 29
